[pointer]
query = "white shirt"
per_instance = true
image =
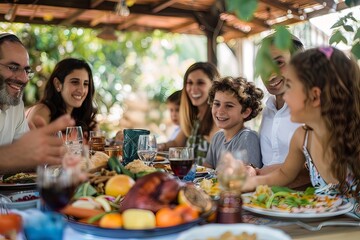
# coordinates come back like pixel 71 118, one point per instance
pixel 13 123
pixel 275 133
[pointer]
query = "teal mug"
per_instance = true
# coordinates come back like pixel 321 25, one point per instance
pixel 131 137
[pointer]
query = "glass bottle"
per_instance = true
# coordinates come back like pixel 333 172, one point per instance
pixel 231 174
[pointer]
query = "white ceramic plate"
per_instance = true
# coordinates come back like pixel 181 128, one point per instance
pixel 215 230
pixel 23 204
pixel 343 208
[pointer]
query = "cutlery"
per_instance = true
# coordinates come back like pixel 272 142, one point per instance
pixel 329 223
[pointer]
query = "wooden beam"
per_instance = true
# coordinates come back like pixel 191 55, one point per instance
pixel 330 5
pixel 282 6
pixel 95 3
pixel 339 7
pixel 163 5
pixel 13 14
pixel 34 12
pixel 128 22
pixel 98 19
pixel 185 26
pixel 72 18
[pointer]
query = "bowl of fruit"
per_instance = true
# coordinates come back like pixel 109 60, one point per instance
pixel 23 200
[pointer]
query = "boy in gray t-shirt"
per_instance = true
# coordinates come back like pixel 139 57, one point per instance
pixel 234 101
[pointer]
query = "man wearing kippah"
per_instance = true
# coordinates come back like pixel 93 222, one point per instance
pixel 22 150
pixel 14 75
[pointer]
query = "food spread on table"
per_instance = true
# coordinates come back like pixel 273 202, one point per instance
pixel 287 200
pixel 210 186
pixel 136 197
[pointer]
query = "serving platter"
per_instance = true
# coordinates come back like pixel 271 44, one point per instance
pixel 216 230
pixel 124 233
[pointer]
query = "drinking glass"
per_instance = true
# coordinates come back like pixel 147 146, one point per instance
pixel 56 185
pixel 97 140
pixel 74 138
pixel 181 160
pixel 231 173
pixel 147 148
pixel 231 170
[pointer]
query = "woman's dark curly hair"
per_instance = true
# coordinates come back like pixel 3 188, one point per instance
pixel 338 78
pixel 246 93
pixel 84 115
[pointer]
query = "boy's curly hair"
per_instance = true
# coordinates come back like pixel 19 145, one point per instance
pixel 246 93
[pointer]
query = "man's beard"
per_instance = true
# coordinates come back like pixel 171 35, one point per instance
pixel 5 97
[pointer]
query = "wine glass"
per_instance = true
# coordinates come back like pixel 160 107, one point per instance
pixel 74 138
pixel 57 183
pixel 181 160
pixel 231 171
pixel 147 148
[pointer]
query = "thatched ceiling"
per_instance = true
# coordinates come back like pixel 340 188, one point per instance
pixel 181 16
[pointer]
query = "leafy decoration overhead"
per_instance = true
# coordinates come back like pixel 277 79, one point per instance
pixel 343 29
pixel 244 9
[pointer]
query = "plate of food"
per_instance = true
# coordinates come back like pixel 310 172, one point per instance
pixel 23 200
pixel 201 171
pixel 233 231
pixel 210 186
pixel 18 180
pixel 282 202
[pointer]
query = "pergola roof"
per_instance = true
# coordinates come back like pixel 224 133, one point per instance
pixel 206 17
pixel 180 16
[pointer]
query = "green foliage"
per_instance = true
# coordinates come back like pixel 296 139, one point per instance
pixel 282 38
pixel 343 29
pixel 352 3
pixel 244 9
pixel 265 66
pixel 119 67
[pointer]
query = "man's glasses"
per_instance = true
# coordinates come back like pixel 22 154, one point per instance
pixel 15 69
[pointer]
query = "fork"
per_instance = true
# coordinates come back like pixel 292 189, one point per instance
pixel 329 223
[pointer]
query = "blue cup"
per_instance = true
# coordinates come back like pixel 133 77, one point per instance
pixel 44 226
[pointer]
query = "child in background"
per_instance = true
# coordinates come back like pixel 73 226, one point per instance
pixel 173 105
pixel 234 101
pixel 323 91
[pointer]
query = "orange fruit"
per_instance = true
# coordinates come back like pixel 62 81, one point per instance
pixel 187 213
pixel 111 220
pixel 119 185
pixel 10 222
pixel 167 217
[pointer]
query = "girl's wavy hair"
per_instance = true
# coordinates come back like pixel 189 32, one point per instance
pixel 245 92
pixel 338 78
pixel 84 115
pixel 188 112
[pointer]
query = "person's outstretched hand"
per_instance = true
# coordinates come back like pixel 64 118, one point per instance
pixel 41 145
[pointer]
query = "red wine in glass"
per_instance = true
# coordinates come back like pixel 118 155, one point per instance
pixel 56 197
pixel 56 185
pixel 181 167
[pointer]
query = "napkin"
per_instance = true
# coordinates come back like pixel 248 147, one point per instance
pixel 131 137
